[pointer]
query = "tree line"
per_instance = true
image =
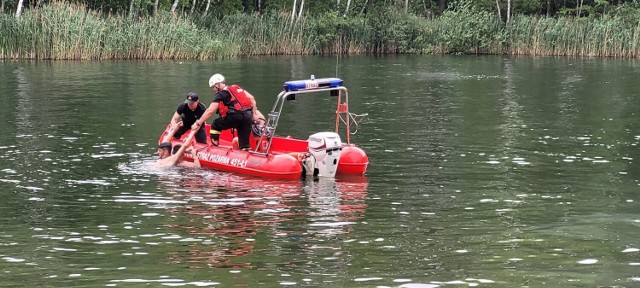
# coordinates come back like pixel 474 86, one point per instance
pixel 504 9
pixel 210 29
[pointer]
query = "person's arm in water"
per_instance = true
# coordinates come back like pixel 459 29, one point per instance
pixel 194 155
pixel 196 160
pixel 187 143
pixel 176 158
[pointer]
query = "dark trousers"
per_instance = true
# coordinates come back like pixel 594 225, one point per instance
pixel 241 121
pixel 201 135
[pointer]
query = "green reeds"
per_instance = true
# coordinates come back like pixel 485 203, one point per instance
pixel 68 31
pixel 603 37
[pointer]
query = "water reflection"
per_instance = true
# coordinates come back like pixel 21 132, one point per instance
pixel 334 205
pixel 486 172
pixel 223 218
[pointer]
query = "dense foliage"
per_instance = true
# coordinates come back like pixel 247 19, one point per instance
pixel 426 8
pixel 200 29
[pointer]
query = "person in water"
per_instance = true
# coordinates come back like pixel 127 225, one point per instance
pixel 189 112
pixel 236 107
pixel 167 158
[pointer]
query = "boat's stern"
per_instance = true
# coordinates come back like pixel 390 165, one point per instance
pixel 353 161
pixel 324 154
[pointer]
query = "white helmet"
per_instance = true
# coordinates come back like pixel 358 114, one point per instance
pixel 215 79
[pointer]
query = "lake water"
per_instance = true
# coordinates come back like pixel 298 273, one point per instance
pixel 484 172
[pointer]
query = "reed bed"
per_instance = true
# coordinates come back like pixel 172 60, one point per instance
pixel 69 31
pixel 603 37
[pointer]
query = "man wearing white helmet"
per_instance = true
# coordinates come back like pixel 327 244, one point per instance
pixel 236 108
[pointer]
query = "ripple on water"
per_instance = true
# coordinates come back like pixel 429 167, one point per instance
pixel 13 260
pixel 167 282
pixel 418 285
pixel 367 279
pixel 91 182
pixel 109 155
pixel 147 199
pixel 588 261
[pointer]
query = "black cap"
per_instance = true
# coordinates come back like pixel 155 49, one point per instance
pixel 192 97
pixel 164 145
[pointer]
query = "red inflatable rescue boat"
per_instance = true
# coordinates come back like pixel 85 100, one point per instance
pixel 323 154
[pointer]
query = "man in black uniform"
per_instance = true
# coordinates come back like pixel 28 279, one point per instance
pixel 236 107
pixel 189 112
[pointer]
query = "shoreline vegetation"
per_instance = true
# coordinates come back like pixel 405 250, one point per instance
pixel 62 30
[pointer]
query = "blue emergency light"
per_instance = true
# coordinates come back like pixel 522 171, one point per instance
pixel 311 84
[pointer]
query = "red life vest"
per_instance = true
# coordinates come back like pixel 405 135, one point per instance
pixel 239 100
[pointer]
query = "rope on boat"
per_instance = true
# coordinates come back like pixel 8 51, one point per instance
pixel 355 119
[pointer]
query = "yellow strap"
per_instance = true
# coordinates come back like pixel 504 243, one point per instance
pixel 214 131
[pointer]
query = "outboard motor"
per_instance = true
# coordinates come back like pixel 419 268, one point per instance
pixel 324 154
